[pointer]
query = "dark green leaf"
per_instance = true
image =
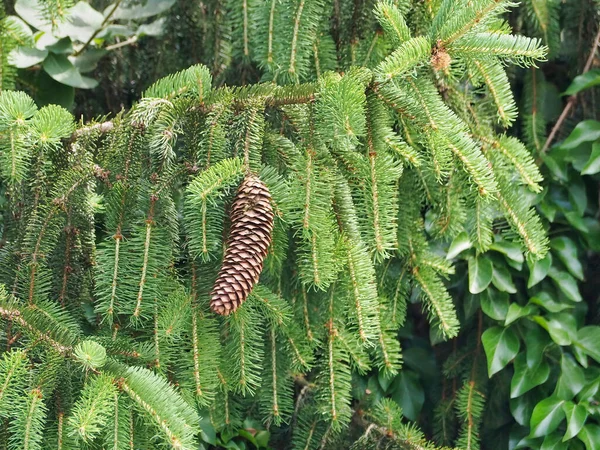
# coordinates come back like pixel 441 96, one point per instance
pixel 585 131
pixel 548 302
pixel 538 270
pixel 571 380
pixel 588 340
pixel 521 408
pixel 592 166
pixel 584 81
pixel 480 274
pixel 537 342
pixel 576 416
pixel 62 70
pixel 567 253
pixel 501 345
pixel 566 283
pixel 87 61
pixel 511 250
pixel 502 279
pixel 459 244
pixel 494 303
pixel 52 92
pixel 524 378
pixel 408 393
pixel 546 417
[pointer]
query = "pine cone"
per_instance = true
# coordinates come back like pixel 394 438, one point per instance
pixel 247 245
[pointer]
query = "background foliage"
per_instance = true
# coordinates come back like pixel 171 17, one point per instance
pixel 521 369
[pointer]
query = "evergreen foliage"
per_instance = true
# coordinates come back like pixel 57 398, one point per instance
pixel 381 135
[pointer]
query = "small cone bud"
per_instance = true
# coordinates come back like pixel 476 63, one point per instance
pixel 247 245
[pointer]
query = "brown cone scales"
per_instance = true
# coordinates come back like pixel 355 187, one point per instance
pixel 247 245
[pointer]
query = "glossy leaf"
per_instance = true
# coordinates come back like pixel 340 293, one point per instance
pixel 62 70
pixel 588 340
pixel 546 417
pixel 561 327
pixel 480 274
pixel 501 345
pixel 590 436
pixel 585 131
pixel 538 270
pixel 459 244
pixel 571 380
pixel 576 417
pixel 584 81
pixel 516 311
pixel 549 303
pixel 566 250
pixel 592 166
pixel 494 303
pixel 566 283
pixel 524 379
pixel 511 250
pixel 502 279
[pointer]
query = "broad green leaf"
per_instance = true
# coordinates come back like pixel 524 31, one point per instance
pixel 548 302
pixel 585 131
pixel 521 407
pixel 553 441
pixel 155 28
pixel 566 283
pixel 494 303
pixel 459 244
pixel 88 60
pixel 501 345
pixel 592 166
pixel 566 250
pixel 588 340
pixel 82 22
pixel 516 311
pixel 23 57
pixel 480 274
pixel 562 328
pixel 584 81
pixel 408 393
pixel 590 436
pixel 511 250
pixel 589 391
pixel 524 379
pixel 571 380
pixel 538 270
pixel 546 417
pixel 576 221
pixel 141 11
pixel 537 342
pixel 578 191
pixel 31 12
pixel 62 70
pixel 576 416
pixel 502 279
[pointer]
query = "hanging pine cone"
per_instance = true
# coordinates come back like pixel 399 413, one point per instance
pixel 247 245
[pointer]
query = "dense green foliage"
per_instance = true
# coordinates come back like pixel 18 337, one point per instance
pixel 423 285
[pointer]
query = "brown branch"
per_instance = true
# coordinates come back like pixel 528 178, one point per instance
pixel 572 99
